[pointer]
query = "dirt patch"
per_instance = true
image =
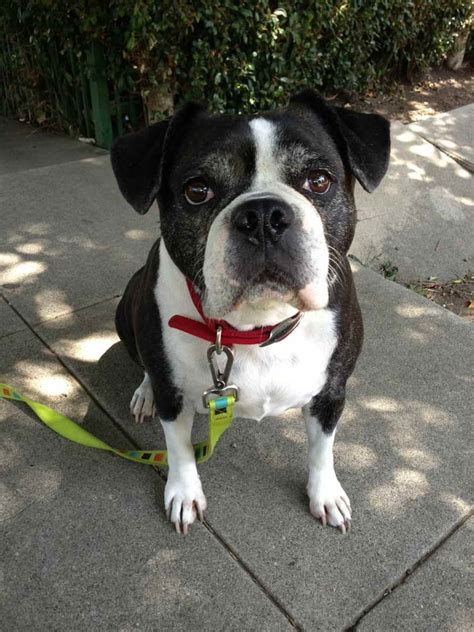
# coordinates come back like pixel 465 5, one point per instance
pixel 456 295
pixel 440 91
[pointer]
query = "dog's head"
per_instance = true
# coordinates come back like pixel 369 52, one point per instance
pixel 256 209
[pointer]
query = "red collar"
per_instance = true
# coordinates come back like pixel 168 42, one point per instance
pixel 206 330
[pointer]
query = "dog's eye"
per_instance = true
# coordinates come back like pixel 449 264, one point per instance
pixel 318 181
pixel 197 191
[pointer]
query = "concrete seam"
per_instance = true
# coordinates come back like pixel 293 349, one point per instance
pixel 256 580
pixel 37 323
pixel 409 572
pixel 456 157
pixel 11 333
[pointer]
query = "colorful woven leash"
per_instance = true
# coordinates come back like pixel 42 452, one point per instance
pixel 220 418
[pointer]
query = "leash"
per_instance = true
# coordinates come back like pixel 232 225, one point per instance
pixel 219 399
pixel 220 418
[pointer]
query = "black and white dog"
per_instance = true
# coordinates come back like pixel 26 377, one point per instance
pixel 257 215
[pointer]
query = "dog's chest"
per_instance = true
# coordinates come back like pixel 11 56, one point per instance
pixel 271 379
pixel 287 375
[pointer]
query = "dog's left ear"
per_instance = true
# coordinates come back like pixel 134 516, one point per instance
pixel 362 139
pixel 138 158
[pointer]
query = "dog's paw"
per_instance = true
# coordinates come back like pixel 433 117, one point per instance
pixel 184 500
pixel 328 501
pixel 142 405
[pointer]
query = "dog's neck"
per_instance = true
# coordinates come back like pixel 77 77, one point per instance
pixel 259 314
pixel 245 317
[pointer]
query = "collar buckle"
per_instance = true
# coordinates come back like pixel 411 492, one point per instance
pixel 283 329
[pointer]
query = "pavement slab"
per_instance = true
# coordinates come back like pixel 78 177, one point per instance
pixel 420 219
pixel 403 455
pixel 10 323
pixel 103 549
pixel 83 545
pixel 25 147
pixel 452 132
pixel 438 596
pixel 68 238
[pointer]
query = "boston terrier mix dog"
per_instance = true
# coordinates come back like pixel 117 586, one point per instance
pixel 257 215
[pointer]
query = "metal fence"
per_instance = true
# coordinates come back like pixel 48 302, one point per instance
pixel 66 90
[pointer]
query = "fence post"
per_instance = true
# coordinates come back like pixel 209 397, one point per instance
pixel 99 96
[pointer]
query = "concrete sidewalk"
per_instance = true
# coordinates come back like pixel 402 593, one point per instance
pixel 85 544
pixel 421 218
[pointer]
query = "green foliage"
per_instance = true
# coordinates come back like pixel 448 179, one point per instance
pixel 250 54
pixel 234 55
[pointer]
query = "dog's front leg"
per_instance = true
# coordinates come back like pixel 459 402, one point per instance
pixel 184 498
pixel 327 499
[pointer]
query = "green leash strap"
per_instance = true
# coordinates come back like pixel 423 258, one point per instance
pixel 220 418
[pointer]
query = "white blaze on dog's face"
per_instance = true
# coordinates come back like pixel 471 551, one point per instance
pixel 267 246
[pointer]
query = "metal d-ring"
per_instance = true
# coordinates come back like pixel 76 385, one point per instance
pixel 218 340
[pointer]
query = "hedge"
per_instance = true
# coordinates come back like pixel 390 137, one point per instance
pixel 234 55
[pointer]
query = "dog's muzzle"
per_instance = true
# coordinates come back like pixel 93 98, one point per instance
pixel 266 243
pixel 266 247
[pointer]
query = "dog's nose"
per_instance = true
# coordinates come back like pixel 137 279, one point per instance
pixel 263 219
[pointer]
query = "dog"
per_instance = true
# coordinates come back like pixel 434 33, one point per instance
pixel 257 215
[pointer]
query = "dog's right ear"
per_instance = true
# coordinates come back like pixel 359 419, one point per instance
pixel 138 158
pixel 363 139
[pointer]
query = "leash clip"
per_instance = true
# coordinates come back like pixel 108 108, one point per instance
pixel 220 378
pixel 217 393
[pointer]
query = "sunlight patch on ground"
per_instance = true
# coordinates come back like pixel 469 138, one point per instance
pixel 45 298
pixel 24 271
pixel 413 311
pixel 30 248
pixel 434 416
pixel 54 385
pixel 294 435
pixel 417 336
pixel 445 204
pixel 462 173
pixel 41 228
pixel 382 404
pixel 460 506
pixel 83 242
pixel 137 234
pixel 419 458
pixel 406 136
pixel 392 497
pixel 9 259
pixel 90 348
pixel 354 457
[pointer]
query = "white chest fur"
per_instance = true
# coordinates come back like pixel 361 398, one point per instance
pixel 271 380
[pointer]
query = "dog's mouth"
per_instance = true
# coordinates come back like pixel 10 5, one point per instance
pixel 273 286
